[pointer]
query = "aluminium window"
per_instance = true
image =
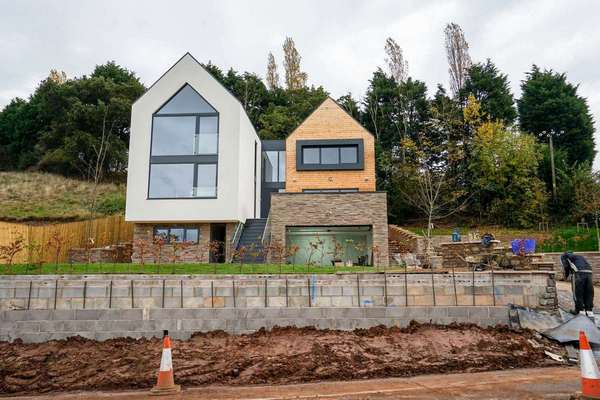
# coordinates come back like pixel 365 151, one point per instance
pixel 348 190
pixel 345 154
pixel 184 148
pixel 177 234
pixel 274 166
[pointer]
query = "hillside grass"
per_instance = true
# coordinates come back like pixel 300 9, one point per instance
pixel 40 197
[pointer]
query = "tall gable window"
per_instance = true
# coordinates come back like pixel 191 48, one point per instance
pixel 184 152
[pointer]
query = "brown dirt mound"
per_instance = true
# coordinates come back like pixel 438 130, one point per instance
pixel 283 355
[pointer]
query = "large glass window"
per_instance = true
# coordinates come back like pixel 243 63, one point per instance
pixel 274 166
pixel 206 180
pixel 342 154
pixel 173 136
pixel 185 136
pixel 171 181
pixel 349 155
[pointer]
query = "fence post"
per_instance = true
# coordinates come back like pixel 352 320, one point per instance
pixel 266 300
pixel 29 295
pixel 454 283
pixel 286 292
pixel 132 299
pixel 163 294
pixel 181 292
pixel 358 289
pixel 55 292
pixel 110 294
pixel 433 285
pixel 212 294
pixel 308 288
pixel 473 284
pixel 405 287
pixel 493 285
pixel 84 293
pixel 385 298
pixel 233 289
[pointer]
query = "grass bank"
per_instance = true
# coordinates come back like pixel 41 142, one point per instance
pixel 34 196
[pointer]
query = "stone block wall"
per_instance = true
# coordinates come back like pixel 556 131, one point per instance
pixel 331 209
pixel 34 326
pixel 593 257
pixel 195 253
pixel 530 289
pixel 403 241
pixel 453 253
pixel 118 253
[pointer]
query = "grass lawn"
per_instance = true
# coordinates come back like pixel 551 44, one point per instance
pixel 34 196
pixel 233 269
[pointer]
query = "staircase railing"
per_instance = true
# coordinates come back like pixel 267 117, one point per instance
pixel 237 234
pixel 266 237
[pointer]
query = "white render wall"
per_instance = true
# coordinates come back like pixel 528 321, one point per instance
pixel 235 180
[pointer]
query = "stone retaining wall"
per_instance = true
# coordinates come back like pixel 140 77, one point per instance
pixel 35 326
pixel 118 253
pixel 530 289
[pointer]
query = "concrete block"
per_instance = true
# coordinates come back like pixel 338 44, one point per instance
pixel 478 313
pixel 27 326
pixel 322 302
pixel 458 312
pixel 372 290
pixel 375 312
pixel 331 291
pixel 277 302
pixel 301 301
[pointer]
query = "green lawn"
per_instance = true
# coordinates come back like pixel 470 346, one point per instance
pixel 22 269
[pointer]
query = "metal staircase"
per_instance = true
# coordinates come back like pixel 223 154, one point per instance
pixel 252 240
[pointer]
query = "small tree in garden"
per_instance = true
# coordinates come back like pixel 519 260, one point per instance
pixel 291 252
pixel 279 252
pixel 239 254
pixel 215 247
pixel 376 254
pixel 337 251
pixel 34 254
pixel 9 251
pixel 313 248
pixel 88 245
pixel 56 241
pixel 142 246
pixel 178 248
pixel 158 243
pixel 349 244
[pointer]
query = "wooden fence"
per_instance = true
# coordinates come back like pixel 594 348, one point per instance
pixel 103 231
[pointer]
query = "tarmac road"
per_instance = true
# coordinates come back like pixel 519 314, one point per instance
pixel 541 383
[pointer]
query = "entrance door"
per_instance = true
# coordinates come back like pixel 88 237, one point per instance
pixel 217 239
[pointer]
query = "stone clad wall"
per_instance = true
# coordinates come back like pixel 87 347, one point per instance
pixel 530 289
pixel 331 209
pixel 196 253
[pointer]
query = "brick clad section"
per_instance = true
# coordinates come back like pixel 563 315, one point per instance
pixel 333 209
pixel 330 121
pixel 196 253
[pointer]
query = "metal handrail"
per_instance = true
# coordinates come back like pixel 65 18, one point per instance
pixel 267 231
pixel 237 234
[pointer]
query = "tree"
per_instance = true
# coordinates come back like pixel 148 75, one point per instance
pixel 491 89
pixel 397 65
pixel 350 105
pixel 503 168
pixel 457 52
pixel 587 196
pixel 272 74
pixel 294 77
pixel 550 104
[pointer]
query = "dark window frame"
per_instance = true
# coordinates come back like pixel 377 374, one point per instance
pixel 185 230
pixel 279 178
pixel 195 159
pixel 339 143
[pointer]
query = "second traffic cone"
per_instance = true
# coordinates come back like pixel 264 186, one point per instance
pixel 590 375
pixel 166 382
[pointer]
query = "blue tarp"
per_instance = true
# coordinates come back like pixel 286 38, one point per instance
pixel 523 246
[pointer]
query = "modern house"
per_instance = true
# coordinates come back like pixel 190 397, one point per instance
pixel 199 175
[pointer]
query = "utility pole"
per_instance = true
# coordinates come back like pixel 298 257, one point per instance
pixel 550 134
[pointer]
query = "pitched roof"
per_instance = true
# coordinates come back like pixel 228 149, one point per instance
pixel 329 100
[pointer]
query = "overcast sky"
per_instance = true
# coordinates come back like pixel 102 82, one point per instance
pixel 341 42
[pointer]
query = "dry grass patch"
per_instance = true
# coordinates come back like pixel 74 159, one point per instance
pixel 34 196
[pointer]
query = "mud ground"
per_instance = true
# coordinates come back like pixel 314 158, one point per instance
pixel 281 356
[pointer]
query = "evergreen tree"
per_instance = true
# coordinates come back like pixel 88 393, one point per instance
pixel 491 89
pixel 551 104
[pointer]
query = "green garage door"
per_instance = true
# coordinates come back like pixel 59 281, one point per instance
pixel 324 245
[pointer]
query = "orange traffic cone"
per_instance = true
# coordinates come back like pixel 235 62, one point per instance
pixel 165 383
pixel 590 375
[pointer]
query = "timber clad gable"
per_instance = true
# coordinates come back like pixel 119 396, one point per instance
pixel 330 122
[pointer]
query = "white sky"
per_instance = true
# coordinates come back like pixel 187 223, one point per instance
pixel 341 42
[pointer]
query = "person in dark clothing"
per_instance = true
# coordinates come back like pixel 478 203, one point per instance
pixel 580 272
